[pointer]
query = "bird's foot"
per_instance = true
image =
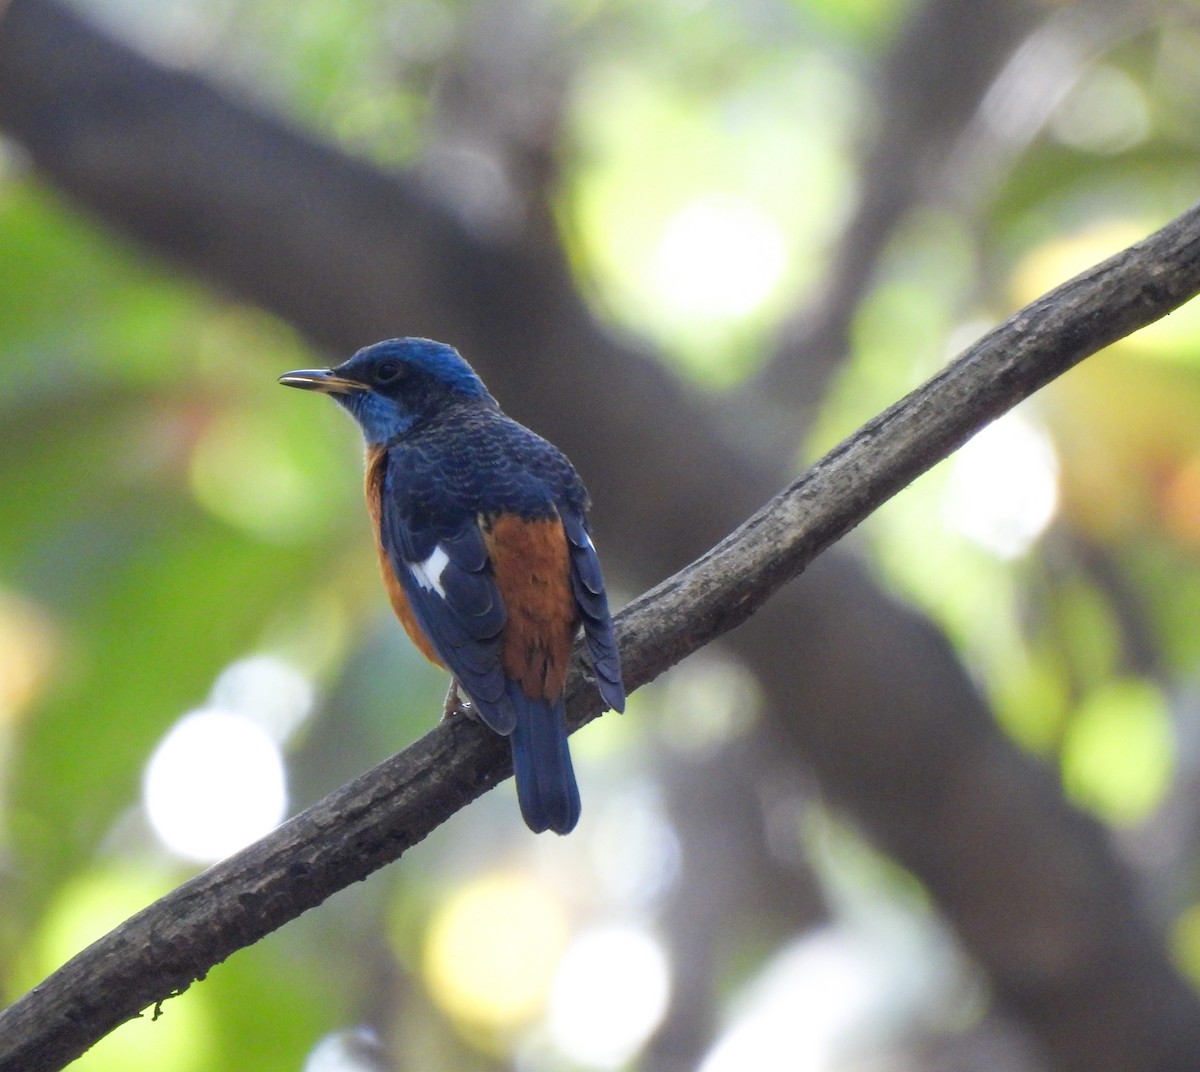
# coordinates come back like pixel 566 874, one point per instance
pixel 456 704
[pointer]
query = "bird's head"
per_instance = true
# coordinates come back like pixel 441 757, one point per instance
pixel 393 385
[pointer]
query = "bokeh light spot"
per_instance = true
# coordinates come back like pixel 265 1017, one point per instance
pixel 711 700
pixel 1106 112
pixel 214 784
pixel 244 474
pixel 28 644
pixel 809 1002
pixel 1003 487
pixel 635 851
pixel 1056 261
pixel 609 995
pixel 354 1049
pixel 719 258
pixel 1180 504
pixel 1119 751
pixel 491 951
pixel 267 690
pixel 1185 942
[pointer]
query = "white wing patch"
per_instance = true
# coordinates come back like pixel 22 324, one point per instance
pixel 428 574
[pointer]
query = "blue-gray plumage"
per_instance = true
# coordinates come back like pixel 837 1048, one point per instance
pixel 483 538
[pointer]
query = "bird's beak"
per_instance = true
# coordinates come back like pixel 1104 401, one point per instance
pixel 322 380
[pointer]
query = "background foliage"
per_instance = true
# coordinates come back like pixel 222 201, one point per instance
pixel 178 535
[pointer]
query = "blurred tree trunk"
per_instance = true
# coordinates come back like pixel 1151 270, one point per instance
pixel 861 690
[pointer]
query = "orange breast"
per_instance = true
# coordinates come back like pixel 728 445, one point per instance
pixel 375 470
pixel 532 570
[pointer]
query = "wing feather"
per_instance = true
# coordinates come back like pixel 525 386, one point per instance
pixel 445 575
pixel 587 582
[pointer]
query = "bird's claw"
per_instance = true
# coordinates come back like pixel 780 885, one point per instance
pixel 456 704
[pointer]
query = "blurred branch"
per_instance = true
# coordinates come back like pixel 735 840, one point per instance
pixel 495 132
pixel 372 821
pixel 964 90
pixel 865 691
pixel 928 86
pixel 1027 92
pixel 927 94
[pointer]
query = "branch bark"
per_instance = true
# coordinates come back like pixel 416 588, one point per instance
pixel 373 820
pixel 863 690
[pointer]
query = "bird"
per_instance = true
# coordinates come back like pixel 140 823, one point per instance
pixel 484 543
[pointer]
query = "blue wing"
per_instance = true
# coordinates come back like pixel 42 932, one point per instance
pixel 588 584
pixel 445 575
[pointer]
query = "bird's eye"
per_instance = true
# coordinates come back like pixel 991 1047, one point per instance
pixel 388 371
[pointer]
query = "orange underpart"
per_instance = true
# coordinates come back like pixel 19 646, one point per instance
pixel 399 601
pixel 532 568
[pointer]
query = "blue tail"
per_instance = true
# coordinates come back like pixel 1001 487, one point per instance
pixel 546 788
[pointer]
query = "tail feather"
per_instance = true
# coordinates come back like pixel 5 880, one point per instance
pixel 546 788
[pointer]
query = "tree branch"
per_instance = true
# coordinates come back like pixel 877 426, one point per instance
pixel 377 817
pixel 926 96
pixel 856 686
